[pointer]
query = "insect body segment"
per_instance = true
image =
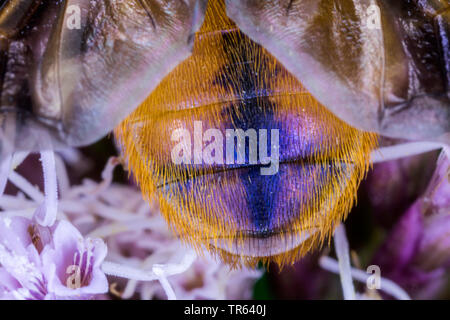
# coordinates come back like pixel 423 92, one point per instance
pixel 232 208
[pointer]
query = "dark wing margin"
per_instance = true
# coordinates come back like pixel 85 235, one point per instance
pixel 76 82
pixel 392 79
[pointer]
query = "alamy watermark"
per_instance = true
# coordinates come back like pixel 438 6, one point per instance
pixel 207 147
pixel 73 20
pixel 73 280
pixel 74 272
pixel 374 280
pixel 373 19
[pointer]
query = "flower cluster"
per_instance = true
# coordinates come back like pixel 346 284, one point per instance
pixel 49 263
pixel 98 240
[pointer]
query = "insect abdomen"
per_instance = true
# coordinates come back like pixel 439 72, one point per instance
pixel 232 208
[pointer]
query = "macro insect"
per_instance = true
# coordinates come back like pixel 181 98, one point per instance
pixel 312 70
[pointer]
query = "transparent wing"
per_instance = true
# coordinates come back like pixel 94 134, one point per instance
pixel 78 67
pixel 379 65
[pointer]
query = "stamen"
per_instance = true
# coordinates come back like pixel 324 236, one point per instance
pixel 47 217
pixel 62 175
pixel 386 285
pixel 107 176
pixel 343 255
pixel 5 168
pixel 9 163
pixel 159 272
pixel 130 289
pixel 7 136
pixel 164 282
pixel 18 158
pixel 23 184
pixel 122 271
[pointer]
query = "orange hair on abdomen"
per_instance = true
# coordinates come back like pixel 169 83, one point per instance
pixel 229 81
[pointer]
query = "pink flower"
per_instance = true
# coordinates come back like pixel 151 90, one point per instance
pixel 73 264
pixel 416 254
pixel 21 275
pixel 49 263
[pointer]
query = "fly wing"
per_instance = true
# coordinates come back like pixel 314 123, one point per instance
pixel 380 65
pixel 80 66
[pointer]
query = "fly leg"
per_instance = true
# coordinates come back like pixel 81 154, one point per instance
pixel 14 14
